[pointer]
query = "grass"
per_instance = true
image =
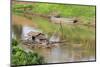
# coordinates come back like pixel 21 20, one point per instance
pixel 65 10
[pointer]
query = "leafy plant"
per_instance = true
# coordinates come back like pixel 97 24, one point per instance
pixel 20 57
pixel 14 42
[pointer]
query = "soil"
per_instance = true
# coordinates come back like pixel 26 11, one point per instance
pixel 19 20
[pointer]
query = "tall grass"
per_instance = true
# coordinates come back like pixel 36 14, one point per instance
pixel 76 34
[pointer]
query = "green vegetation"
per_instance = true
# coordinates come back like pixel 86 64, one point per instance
pixel 74 34
pixel 21 7
pixel 84 12
pixel 14 42
pixel 20 57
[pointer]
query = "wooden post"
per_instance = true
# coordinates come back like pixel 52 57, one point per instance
pixel 62 30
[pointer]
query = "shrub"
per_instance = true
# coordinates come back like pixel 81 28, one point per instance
pixel 20 57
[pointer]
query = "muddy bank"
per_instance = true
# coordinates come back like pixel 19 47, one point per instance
pixel 20 20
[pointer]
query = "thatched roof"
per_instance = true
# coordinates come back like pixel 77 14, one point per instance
pixel 31 33
pixel 38 35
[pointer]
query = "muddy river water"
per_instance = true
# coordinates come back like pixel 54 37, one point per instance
pixel 61 53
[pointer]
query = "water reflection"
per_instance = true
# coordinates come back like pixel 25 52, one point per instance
pixel 17 31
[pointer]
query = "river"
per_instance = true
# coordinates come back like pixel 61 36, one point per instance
pixel 61 53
